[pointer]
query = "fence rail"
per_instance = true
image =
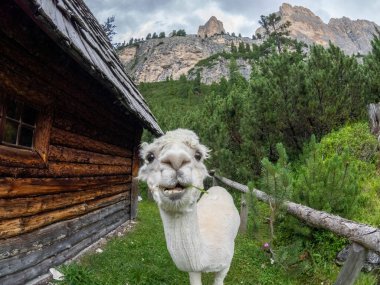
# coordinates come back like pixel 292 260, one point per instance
pixel 363 237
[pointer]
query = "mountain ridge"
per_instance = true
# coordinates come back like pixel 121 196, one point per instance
pixel 160 59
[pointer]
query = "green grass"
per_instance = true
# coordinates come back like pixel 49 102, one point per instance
pixel 141 258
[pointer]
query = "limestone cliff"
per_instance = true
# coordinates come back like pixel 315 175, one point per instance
pixel 212 27
pixel 159 59
pixel 351 36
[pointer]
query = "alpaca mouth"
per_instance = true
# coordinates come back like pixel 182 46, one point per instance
pixel 174 193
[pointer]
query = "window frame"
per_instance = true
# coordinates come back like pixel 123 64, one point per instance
pixel 20 123
pixel 23 156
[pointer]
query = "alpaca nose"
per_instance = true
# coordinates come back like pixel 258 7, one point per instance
pixel 175 158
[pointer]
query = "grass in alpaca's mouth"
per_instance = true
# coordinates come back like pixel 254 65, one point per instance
pixel 178 190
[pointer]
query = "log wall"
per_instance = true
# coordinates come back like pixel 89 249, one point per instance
pixel 59 199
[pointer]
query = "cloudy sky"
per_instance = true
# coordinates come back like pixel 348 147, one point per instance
pixel 137 18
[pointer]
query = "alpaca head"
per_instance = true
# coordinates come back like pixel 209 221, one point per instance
pixel 173 169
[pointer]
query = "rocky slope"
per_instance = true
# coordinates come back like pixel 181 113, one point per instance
pixel 159 59
pixel 352 36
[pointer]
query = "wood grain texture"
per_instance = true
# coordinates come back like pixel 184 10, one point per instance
pixel 66 154
pixel 30 273
pixel 48 235
pixel 21 187
pixel 65 138
pixel 26 260
pixel 22 207
pixel 13 227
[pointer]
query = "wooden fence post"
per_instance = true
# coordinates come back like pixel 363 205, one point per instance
pixel 243 213
pixel 214 180
pixel 352 266
pixel 134 197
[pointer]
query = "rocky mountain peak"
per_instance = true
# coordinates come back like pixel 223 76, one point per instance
pixel 287 10
pixel 351 36
pixel 213 26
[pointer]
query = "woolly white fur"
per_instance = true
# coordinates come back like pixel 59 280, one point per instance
pixel 199 235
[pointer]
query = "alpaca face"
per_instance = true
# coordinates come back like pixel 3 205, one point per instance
pixel 173 169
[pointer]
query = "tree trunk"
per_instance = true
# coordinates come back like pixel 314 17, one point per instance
pixel 374 118
pixel 363 234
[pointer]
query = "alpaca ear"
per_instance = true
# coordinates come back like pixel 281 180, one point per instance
pixel 142 149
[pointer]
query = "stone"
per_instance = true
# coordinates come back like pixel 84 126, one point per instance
pixel 372 260
pixel 212 27
pixel 352 36
pixel 56 275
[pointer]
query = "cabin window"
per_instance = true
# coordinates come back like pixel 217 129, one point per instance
pixel 18 124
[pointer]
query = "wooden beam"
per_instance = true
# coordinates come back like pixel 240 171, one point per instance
pixel 66 154
pixel 13 227
pixel 352 266
pixel 17 157
pixel 57 169
pixel 42 135
pixel 65 138
pixel 22 277
pixel 26 260
pixel 363 234
pixel 45 236
pixel 61 169
pixel 243 213
pixel 134 197
pixel 21 187
pixel 22 207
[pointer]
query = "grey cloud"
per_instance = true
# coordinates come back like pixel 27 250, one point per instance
pixel 166 15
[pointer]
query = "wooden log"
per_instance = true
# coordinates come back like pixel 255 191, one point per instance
pixel 135 161
pixel 14 78
pixel 18 157
pixel 65 154
pixel 45 236
pixel 13 227
pixel 21 207
pixel 134 197
pixel 243 213
pixel 30 273
pixel 26 260
pixel 79 169
pixel 21 187
pixel 363 234
pixel 112 133
pixel 61 169
pixel 352 266
pixel 43 130
pixel 374 118
pixel 81 84
pixel 6 171
pixel 64 138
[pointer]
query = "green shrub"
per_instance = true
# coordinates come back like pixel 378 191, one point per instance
pixel 355 138
pixel 327 183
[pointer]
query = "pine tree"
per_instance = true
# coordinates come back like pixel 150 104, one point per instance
pixel 109 27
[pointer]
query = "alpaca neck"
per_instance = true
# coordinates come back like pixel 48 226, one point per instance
pixel 183 239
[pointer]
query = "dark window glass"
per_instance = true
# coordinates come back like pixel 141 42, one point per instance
pixel 14 110
pixel 17 123
pixel 10 132
pixel 29 115
pixel 26 136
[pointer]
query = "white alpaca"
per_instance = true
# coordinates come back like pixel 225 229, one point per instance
pixel 199 236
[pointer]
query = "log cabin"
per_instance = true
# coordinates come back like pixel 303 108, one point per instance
pixel 71 121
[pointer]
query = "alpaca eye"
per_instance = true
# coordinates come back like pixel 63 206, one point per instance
pixel 198 155
pixel 149 157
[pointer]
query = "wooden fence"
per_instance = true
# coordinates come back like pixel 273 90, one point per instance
pixel 362 236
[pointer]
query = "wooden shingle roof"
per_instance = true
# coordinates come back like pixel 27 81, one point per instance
pixel 74 28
